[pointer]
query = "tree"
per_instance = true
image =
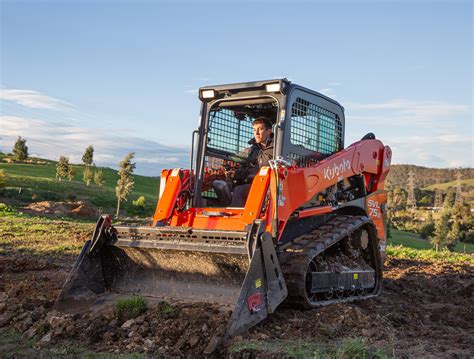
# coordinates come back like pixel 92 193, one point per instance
pixel 20 150
pixel 453 236
pixel 62 168
pixel 88 156
pixel 2 179
pixel 98 177
pixel 87 175
pixel 450 198
pixel 71 172
pixel 125 182
pixel 441 230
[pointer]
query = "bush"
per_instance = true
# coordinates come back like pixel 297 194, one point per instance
pixel 128 308
pixel 6 210
pixel 139 202
pixel 427 230
pixel 167 310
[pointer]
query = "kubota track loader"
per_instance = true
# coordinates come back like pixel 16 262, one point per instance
pixel 312 229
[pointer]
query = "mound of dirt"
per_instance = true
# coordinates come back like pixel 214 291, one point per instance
pixel 80 209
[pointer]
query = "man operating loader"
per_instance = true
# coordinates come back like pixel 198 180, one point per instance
pixel 258 155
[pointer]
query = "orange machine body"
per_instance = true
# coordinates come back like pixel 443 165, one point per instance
pixel 289 187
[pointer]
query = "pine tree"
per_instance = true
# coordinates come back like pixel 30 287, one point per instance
pixel 88 156
pixel 62 167
pixel 20 150
pixel 71 172
pixel 87 175
pixel 125 182
pixel 453 236
pixel 98 177
pixel 441 230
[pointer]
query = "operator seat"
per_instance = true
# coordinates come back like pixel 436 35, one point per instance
pixel 223 192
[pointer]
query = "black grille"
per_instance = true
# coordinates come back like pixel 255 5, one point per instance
pixel 314 128
pixel 227 132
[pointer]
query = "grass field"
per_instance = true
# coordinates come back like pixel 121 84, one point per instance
pixel 414 241
pixel 444 186
pixel 38 182
pixel 409 245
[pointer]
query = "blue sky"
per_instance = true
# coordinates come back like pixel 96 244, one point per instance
pixel 123 75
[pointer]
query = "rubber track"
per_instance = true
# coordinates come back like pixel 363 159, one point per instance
pixel 297 257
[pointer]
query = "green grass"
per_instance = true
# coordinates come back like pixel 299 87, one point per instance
pixel 41 237
pixel 128 308
pixel 410 246
pixel 38 182
pixel 444 186
pixel 412 240
pixel 346 348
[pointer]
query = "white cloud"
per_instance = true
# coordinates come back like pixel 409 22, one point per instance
pixel 425 133
pixel 403 112
pixel 34 99
pixel 51 139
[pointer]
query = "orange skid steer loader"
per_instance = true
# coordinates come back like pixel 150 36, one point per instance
pixel 312 229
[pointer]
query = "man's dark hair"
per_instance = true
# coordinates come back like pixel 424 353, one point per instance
pixel 268 124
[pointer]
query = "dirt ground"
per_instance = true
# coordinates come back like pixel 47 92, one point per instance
pixel 426 310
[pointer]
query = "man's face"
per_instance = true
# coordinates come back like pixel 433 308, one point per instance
pixel 261 133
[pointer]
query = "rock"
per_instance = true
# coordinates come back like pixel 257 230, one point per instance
pixel 238 338
pixel 128 324
pixel 131 334
pixel 5 318
pixel 40 310
pixel 30 333
pixel 149 344
pixel 46 338
pixel 213 344
pixel 193 341
pixel 205 328
pixel 57 332
pixel 108 337
pixel 365 333
pixel 113 323
pixel 55 321
pixel 70 329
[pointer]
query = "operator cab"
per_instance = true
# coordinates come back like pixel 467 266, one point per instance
pixel 307 128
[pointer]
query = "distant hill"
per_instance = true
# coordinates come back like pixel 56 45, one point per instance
pixel 425 177
pixel 36 181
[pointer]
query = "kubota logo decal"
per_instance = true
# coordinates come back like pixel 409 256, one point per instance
pixel 336 170
pixel 374 208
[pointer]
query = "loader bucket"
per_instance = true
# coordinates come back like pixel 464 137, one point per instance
pixel 179 265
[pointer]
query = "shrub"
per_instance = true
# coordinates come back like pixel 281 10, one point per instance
pixel 139 203
pixel 167 309
pixel 6 210
pixel 427 230
pixel 128 308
